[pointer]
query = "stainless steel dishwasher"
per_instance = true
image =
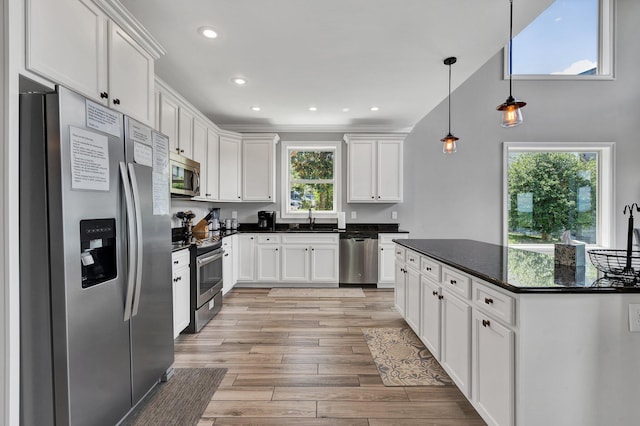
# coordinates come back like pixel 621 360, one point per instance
pixel 358 258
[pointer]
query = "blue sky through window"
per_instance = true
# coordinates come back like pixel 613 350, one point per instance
pixel 562 40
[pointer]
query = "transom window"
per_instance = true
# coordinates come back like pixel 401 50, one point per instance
pixel 311 173
pixel 570 39
pixel 552 188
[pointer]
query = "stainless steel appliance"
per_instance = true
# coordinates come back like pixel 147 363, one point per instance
pixel 358 258
pixel 267 220
pixel 185 176
pixel 206 282
pixel 95 261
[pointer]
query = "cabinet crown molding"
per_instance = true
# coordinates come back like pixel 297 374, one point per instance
pixel 374 136
pixel 121 16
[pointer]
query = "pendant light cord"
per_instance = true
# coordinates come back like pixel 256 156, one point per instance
pixel 510 46
pixel 449 98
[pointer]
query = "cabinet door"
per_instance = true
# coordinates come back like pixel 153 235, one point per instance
pixel 227 265
pixel 400 287
pixel 361 175
pixel 324 263
pixel 213 163
pixel 169 109
pixel 200 154
pixel 431 316
pixel 230 167
pixel 258 170
pixel 246 257
pixel 412 306
pixel 185 132
pixel 268 263
pixel 456 341
pixel 65 42
pixel 131 76
pixel 389 171
pixel 493 370
pixel 295 263
pixel 180 300
pixel 386 264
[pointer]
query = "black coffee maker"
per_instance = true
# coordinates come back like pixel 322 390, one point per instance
pixel 266 220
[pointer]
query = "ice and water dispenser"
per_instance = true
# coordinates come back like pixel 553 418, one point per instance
pixel 98 251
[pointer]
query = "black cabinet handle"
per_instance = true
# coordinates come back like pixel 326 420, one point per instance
pixel 381 249
pixel 116 101
pixel 276 249
pixel 104 95
pixel 428 268
pixel 175 262
pixel 306 249
pixel 441 297
pixel 488 300
pixel 182 150
pixel 486 323
pixel 453 282
pixel 435 293
pixel 226 254
pixel 252 238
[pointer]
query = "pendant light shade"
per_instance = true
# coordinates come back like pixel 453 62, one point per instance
pixel 511 108
pixel 449 141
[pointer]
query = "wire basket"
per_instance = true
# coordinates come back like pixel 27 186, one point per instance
pixel 613 263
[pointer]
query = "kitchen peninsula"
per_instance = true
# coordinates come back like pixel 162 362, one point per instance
pixel 526 342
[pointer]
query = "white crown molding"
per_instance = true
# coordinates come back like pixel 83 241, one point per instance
pixel 314 128
pixel 121 16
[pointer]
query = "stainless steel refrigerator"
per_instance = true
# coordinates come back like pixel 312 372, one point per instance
pixel 95 261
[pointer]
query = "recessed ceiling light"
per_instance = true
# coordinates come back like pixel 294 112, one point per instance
pixel 255 108
pixel 312 108
pixel 239 81
pixel 208 32
pixel 345 109
pixel 374 108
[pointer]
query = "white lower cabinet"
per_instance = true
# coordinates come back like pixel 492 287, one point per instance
pixel 295 263
pixel 324 263
pixel 268 262
pixel 493 370
pixel 246 257
pixel 181 274
pixel 456 340
pixel 386 258
pixel 431 321
pixel 228 275
pixel 400 292
pixel 412 304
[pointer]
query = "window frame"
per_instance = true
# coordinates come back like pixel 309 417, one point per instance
pixel 605 236
pixel 606 38
pixel 286 147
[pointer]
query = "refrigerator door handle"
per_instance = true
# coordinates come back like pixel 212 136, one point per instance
pixel 131 240
pixel 139 247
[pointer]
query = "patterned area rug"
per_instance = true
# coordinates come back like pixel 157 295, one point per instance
pixel 315 292
pixel 402 359
pixel 180 401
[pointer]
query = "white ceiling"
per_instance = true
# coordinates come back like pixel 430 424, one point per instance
pixel 332 54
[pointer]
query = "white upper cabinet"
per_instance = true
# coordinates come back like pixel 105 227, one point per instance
pixel 168 125
pixel 77 44
pixel 374 168
pixel 200 147
pixel 259 167
pixel 131 71
pixel 213 162
pixel 230 167
pixel 185 133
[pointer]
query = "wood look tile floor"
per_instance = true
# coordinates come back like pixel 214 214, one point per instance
pixel 304 361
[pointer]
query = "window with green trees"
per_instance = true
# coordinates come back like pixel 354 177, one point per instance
pixel 551 190
pixel 311 179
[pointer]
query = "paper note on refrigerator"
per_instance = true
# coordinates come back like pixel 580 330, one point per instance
pixel 89 160
pixel 160 194
pixel 160 153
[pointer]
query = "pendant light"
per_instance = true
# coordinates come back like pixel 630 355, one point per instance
pixel 511 114
pixel 449 141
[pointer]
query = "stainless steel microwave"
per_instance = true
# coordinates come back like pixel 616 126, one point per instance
pixel 185 176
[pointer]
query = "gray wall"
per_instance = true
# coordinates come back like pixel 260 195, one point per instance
pixel 460 195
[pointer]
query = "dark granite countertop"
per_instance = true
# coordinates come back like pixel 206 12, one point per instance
pixel 519 271
pixel 323 228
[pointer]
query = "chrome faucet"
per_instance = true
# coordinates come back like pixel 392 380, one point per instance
pixel 312 220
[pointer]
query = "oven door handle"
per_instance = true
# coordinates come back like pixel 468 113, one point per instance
pixel 202 260
pixel 131 240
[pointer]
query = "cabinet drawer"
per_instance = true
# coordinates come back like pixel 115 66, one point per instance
pixel 413 260
pixel 180 259
pixel 493 302
pixel 310 238
pixel 269 239
pixel 430 268
pixel 400 253
pixel 388 238
pixel 456 282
